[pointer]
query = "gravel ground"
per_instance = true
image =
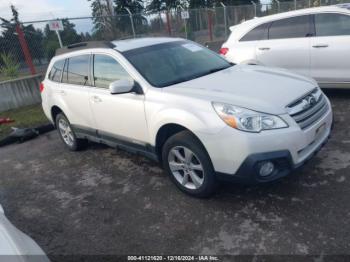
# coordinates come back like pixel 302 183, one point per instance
pixel 103 201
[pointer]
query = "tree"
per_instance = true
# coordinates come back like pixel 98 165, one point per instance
pixel 9 42
pixel 161 5
pixel 122 20
pixel 34 39
pixel 111 21
pixel 102 12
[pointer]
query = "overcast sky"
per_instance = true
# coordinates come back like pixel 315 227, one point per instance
pixel 30 10
pixel 34 10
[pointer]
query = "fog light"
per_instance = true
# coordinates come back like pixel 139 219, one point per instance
pixel 266 168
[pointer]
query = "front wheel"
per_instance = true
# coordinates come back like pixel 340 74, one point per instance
pixel 188 165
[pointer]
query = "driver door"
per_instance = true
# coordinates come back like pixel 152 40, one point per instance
pixel 118 117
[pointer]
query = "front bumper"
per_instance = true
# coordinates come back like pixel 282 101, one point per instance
pixel 248 173
pixel 236 154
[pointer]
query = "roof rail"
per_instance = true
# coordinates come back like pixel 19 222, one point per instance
pixel 84 45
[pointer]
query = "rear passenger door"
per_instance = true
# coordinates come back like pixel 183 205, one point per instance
pixel 74 92
pixel 330 48
pixel 288 45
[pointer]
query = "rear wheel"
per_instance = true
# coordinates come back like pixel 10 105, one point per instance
pixel 188 165
pixel 67 135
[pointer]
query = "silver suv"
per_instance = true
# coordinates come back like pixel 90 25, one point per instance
pixel 177 102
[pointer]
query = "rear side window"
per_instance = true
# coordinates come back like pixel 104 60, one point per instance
pixel 56 71
pixel 76 70
pixel 332 24
pixel 107 70
pixel 294 27
pixel 258 33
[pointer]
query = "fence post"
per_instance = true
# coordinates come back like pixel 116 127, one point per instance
pixel 295 4
pixel 132 21
pixel 186 29
pixel 168 22
pixel 210 25
pixel 25 49
pixel 254 4
pixel 59 38
pixel 160 21
pixel 278 6
pixel 225 18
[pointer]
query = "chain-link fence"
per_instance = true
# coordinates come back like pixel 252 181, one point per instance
pixel 28 48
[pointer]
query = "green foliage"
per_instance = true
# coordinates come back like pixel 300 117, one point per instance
pixel 161 5
pixel 25 117
pixel 50 48
pixel 107 27
pixel 9 66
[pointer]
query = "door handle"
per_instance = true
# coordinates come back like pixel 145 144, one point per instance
pixel 62 92
pixel 264 48
pixel 320 46
pixel 96 99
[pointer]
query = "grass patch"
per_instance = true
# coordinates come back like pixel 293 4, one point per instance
pixel 29 116
pixel 5 78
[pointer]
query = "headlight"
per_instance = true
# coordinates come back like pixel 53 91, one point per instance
pixel 247 120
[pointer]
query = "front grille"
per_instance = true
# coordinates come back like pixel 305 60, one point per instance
pixel 309 108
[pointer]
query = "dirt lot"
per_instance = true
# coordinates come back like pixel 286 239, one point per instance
pixel 102 201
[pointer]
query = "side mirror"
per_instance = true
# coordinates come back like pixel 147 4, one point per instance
pixel 121 86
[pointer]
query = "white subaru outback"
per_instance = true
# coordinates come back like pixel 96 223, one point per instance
pixel 173 100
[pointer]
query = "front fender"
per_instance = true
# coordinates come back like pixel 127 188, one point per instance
pixel 196 122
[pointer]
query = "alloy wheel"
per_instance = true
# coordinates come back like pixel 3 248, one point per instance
pixel 66 132
pixel 186 167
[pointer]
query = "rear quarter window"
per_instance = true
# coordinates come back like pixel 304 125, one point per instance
pixel 258 33
pixel 56 71
pixel 76 70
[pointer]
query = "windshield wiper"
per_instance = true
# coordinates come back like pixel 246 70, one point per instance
pixel 180 80
pixel 188 78
pixel 217 69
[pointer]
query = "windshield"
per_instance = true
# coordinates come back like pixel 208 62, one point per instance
pixel 174 62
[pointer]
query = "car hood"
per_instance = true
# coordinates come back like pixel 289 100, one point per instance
pixel 258 88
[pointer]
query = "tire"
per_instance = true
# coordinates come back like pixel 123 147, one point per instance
pixel 188 164
pixel 68 136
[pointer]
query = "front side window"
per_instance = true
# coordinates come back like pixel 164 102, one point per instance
pixel 56 71
pixel 107 70
pixel 258 33
pixel 294 27
pixel 76 70
pixel 332 24
pixel 174 62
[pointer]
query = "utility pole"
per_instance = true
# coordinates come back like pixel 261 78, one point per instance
pixel 254 4
pixel 225 18
pixel 278 6
pixel 132 21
